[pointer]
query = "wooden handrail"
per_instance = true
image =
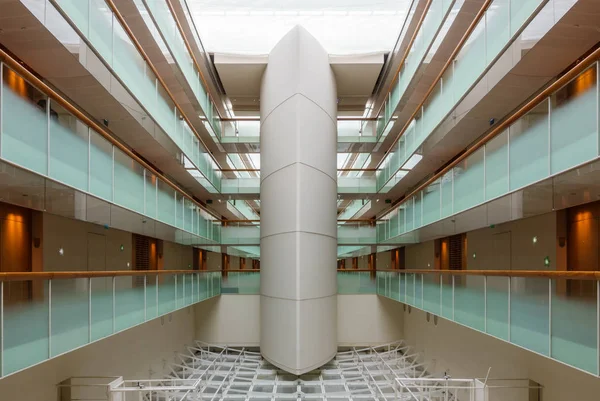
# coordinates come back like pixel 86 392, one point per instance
pixel 51 93
pixel 342 118
pixel 449 62
pixel 560 82
pixel 140 49
pixel 356 270
pixel 248 270
pixel 191 53
pixel 339 221
pixel 249 170
pixel 568 275
pixel 405 55
pixel 30 276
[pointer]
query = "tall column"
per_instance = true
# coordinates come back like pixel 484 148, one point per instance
pixel 298 192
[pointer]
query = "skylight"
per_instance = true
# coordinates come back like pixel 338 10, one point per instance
pixel 341 26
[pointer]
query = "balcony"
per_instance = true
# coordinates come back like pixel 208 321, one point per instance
pixel 44 315
pixel 554 314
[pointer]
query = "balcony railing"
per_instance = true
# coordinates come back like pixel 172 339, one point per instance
pixel 43 315
pixel 553 133
pixel 247 282
pixel 247 232
pixel 501 23
pixel 554 314
pixel 349 129
pixel 105 30
pixel 45 134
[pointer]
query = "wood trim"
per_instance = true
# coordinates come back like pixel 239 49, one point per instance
pixel 339 221
pixel 560 82
pixel 191 53
pixel 449 62
pixel 51 93
pixel 355 270
pixel 232 170
pixel 405 56
pixel 342 118
pixel 569 275
pixel 139 47
pixel 242 271
pixel 32 276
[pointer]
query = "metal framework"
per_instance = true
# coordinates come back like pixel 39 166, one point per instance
pixel 387 372
pixel 208 372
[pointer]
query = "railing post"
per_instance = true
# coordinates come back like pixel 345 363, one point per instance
pixel 114 304
pixel 422 286
pixel 485 304
pixel 441 294
pixel 1 317
pixel 175 291
pixel 405 287
pixel 49 319
pixel 453 297
pixel 89 310
pixel 509 289
pixel 550 317
pixel 145 295
pixel 414 289
pixel 156 291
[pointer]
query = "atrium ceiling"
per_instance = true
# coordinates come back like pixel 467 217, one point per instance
pixel 342 26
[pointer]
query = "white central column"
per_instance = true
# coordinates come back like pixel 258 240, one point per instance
pixel 298 194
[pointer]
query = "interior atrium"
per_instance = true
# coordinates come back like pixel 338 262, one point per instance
pixel 265 200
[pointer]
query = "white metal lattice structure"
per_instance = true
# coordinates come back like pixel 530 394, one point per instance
pixel 219 373
pixel 208 372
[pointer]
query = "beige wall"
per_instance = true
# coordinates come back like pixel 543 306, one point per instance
pixel 73 236
pixel 507 246
pixel 510 246
pixel 78 237
pixel 420 256
pixel 213 261
pixel 362 319
pixel 383 260
pixel 177 256
pixel 229 319
pixel 140 352
pixel 368 319
pixel 465 353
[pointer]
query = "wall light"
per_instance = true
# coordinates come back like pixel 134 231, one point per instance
pixel 534 240
pixel 474 255
pixel 61 251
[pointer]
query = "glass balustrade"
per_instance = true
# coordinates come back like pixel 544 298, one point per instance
pixel 248 233
pixel 352 233
pixel 348 282
pixel 164 20
pixel 554 317
pixel 558 134
pixel 360 282
pixel 502 22
pixel 39 135
pixel 434 19
pixel 245 283
pixel 44 318
pixel 105 34
pixel 365 184
pixel 349 130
